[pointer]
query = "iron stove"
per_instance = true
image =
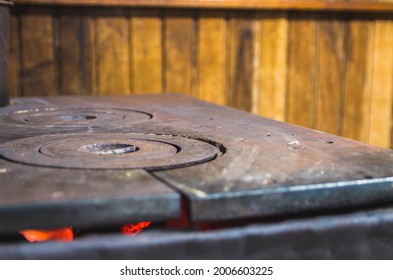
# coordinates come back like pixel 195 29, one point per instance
pixel 216 182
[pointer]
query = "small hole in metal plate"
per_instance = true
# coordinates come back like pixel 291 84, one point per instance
pixel 329 142
pixel 75 117
pixel 109 149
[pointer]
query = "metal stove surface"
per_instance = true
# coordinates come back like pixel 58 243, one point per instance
pixel 103 160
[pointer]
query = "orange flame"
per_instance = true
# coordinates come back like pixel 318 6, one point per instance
pixel 134 229
pixel 63 234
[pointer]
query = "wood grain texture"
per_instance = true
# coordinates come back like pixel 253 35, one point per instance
pixel 146 40
pixel 301 70
pixel 273 65
pixel 328 71
pixel 112 35
pixel 358 80
pixel 38 67
pixel 330 75
pixel 241 55
pixel 14 57
pixel 309 5
pixel 382 85
pixel 76 33
pixel 256 63
pixel 179 52
pixel 212 57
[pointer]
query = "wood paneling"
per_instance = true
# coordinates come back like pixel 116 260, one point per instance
pixel 358 79
pixel 241 50
pixel 38 53
pixel 14 57
pixel 301 70
pixel 212 57
pixel 273 65
pixel 112 35
pixel 329 71
pixel 382 85
pixel 180 41
pixel 76 55
pixel 146 40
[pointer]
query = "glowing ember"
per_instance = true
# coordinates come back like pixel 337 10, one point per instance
pixel 63 234
pixel 134 229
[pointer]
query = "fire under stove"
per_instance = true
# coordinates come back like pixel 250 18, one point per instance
pixel 196 180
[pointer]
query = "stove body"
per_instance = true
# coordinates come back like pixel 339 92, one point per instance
pixel 265 189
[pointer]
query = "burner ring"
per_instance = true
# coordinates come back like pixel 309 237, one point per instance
pixel 109 151
pixel 75 117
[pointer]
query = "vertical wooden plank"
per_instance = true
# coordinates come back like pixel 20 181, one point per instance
pixel 87 56
pixel 273 66
pixel 147 51
pixel 256 63
pixel 14 57
pixel 113 56
pixel 4 51
pixel 358 79
pixel 38 67
pixel 69 53
pixel 212 53
pixel 301 69
pixel 241 47
pixel 179 54
pixel 76 53
pixel 330 75
pixel 382 84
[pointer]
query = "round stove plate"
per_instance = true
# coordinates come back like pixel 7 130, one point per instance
pixel 75 117
pixel 109 151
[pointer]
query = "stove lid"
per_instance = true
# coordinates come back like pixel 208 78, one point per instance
pixel 94 160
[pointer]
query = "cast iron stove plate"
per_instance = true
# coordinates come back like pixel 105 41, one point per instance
pixel 74 117
pixel 241 166
pixel 108 151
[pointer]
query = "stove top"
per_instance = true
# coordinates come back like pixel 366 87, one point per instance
pixel 88 161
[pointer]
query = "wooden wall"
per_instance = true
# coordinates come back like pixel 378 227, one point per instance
pixel 328 69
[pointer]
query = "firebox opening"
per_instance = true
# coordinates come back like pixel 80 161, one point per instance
pixel 109 148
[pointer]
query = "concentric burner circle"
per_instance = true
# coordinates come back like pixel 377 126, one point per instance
pixel 109 151
pixel 75 117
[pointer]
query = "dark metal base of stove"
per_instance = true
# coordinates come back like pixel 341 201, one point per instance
pixel 361 235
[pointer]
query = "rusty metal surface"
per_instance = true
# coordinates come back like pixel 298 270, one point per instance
pixel 37 197
pixel 27 117
pixel 4 30
pixel 362 235
pixel 263 167
pixel 272 168
pixel 74 117
pixel 109 151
